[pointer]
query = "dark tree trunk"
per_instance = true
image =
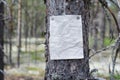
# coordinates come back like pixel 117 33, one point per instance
pixel 68 69
pixel 1 40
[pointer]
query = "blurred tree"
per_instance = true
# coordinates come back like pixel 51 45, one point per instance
pixel 10 29
pixel 102 26
pixel 1 40
pixel 19 30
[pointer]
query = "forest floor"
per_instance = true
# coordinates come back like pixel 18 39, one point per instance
pixel 33 62
pixel 101 62
pixel 26 72
pixel 36 71
pixel 14 77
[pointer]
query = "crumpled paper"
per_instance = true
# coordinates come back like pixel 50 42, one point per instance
pixel 66 38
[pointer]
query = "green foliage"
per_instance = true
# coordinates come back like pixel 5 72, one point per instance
pixel 117 76
pixel 90 41
pixel 108 41
pixel 33 16
pixel 35 55
pixel 32 68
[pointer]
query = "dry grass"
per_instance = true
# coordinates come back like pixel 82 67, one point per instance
pixel 14 77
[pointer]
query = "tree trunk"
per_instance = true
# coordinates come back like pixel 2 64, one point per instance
pixel 68 69
pixel 26 28
pixel 19 30
pixel 119 18
pixel 95 32
pixel 102 27
pixel 10 33
pixel 1 40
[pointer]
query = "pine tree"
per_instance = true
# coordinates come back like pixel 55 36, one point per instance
pixel 68 69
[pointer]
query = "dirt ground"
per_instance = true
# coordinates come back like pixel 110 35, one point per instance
pixel 14 77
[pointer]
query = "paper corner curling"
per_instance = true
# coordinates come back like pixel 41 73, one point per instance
pixel 66 37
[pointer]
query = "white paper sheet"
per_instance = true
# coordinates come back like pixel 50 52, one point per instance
pixel 66 39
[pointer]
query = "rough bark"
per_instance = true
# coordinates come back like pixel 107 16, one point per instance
pixel 1 40
pixel 68 69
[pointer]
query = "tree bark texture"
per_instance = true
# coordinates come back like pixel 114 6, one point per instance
pixel 68 69
pixel 1 40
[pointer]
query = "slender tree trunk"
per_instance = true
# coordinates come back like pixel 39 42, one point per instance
pixel 102 28
pixel 119 18
pixel 68 69
pixel 10 33
pixel 19 30
pixel 95 32
pixel 1 40
pixel 26 26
